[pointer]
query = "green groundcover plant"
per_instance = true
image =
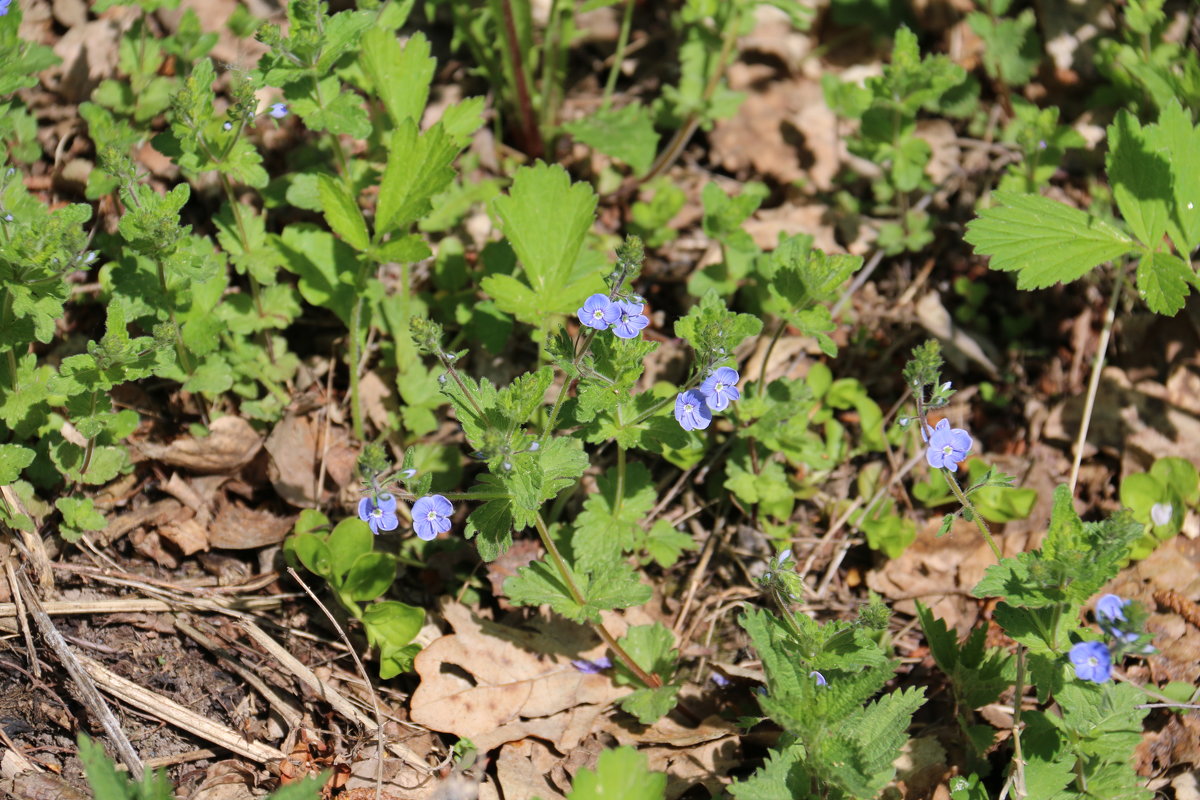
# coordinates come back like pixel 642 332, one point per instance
pixel 204 285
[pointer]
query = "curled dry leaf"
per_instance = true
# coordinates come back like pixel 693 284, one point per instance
pixel 492 691
pixel 231 444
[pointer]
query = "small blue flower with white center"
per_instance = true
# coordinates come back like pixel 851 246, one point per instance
pixel 278 110
pixel 599 312
pixel 379 513
pixel 947 446
pixel 819 678
pixel 4 4
pixel 1092 661
pixel 431 516
pixel 691 412
pixel 631 320
pixel 720 388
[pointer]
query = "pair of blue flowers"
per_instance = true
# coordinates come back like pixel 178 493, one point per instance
pixel 694 408
pixel 1093 661
pixel 623 316
pixel 431 514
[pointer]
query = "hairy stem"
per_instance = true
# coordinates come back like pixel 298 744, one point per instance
pixel 967 504
pixel 762 373
pixel 568 578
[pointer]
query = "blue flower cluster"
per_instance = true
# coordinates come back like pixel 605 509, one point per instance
pixel 4 4
pixel 431 514
pixel 694 408
pixel 1093 661
pixel 625 317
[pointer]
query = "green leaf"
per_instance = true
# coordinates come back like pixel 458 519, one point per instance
pixel 13 459
pixel 349 540
pixel 391 626
pixel 1175 136
pixel 311 551
pixel 545 218
pixel 342 212
pixel 1140 178
pixel 1164 281
pixel 419 166
pixel 650 705
pixel 783 775
pixel 1012 50
pixel 492 523
pixel 401 76
pixel 108 784
pixel 1044 241
pixel 620 774
pixel 627 134
pixel 369 576
pixel 79 515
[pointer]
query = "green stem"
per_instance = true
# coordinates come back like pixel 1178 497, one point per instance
pixel 568 382
pixel 762 374
pixel 620 500
pixel 1110 317
pixel 180 349
pixel 255 290
pixel 622 42
pixel 967 504
pixel 685 131
pixel 461 385
pixel 550 61
pixel 11 353
pixel 1017 776
pixel 355 407
pixel 91 443
pixel 650 680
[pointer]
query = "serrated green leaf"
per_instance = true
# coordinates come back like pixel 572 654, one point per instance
pixel 1140 178
pixel 621 774
pixel 545 218
pixel 1042 240
pixel 342 212
pixel 13 459
pixel 650 705
pixel 1175 135
pixel 419 166
pixel 401 76
pixel 627 134
pixel 1164 282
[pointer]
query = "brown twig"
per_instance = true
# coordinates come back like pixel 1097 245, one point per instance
pixel 88 694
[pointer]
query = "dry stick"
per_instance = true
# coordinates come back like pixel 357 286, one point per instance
pixel 1110 317
pixel 845 546
pixel 290 715
pixel 172 713
pixel 89 695
pixel 362 671
pixel 22 617
pixel 326 692
pixel 694 581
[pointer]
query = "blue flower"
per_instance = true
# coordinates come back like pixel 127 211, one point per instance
pixel 631 319
pixel 228 126
pixel 1111 608
pixel 947 446
pixel 599 312
pixel 381 515
pixel 690 411
pixel 1092 661
pixel 720 388
pixel 431 516
pixel 4 4
pixel 592 667
pixel 820 678
pixel 278 110
pixel 719 679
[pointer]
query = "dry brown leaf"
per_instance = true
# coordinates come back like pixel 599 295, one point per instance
pixel 401 781
pixel 186 534
pixel 479 683
pixel 523 770
pixel 226 780
pixel 293 448
pixel 960 345
pixel 159 513
pixel 230 445
pixel 689 756
pixel 376 396
pixel 239 528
